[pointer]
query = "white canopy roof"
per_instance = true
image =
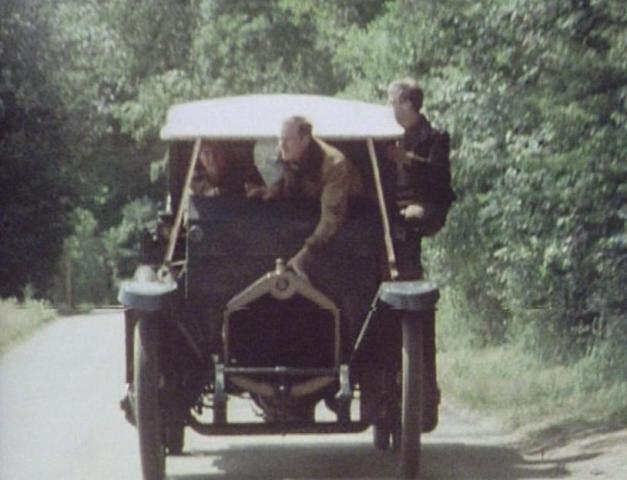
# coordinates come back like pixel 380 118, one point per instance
pixel 261 116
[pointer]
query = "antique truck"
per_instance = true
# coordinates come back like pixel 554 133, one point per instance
pixel 213 312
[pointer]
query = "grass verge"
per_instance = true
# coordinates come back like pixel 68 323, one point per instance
pixel 529 396
pixel 18 320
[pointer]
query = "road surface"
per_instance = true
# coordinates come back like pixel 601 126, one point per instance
pixel 59 419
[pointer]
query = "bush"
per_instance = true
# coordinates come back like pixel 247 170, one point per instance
pixel 536 247
pixel 123 242
pixel 19 319
pixel 83 276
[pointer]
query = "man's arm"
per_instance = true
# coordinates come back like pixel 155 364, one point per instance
pixel 402 157
pixel 333 206
pixel 333 210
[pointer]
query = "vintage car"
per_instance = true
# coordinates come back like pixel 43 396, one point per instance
pixel 213 312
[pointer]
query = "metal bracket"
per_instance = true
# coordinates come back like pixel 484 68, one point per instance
pixel 344 396
pixel 219 395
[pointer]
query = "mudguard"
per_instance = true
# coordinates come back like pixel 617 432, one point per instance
pixel 147 291
pixel 409 295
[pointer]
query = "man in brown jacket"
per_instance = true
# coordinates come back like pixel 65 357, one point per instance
pixel 313 170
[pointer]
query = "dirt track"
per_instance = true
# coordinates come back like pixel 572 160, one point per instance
pixel 59 418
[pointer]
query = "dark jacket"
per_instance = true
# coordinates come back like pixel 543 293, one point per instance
pixel 429 170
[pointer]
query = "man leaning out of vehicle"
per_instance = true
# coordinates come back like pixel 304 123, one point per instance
pixel 313 170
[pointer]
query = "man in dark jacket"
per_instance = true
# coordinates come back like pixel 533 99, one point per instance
pixel 424 179
pixel 423 196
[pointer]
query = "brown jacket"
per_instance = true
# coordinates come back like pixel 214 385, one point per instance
pixel 324 174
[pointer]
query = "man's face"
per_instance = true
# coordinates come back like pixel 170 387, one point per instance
pixel 292 145
pixel 214 163
pixel 404 112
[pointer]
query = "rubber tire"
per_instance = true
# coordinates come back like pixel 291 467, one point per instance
pixel 411 397
pixel 146 378
pixel 387 431
pixel 175 437
pixel 219 413
pixel 381 435
pixel 397 428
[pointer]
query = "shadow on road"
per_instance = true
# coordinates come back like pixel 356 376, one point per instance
pixel 461 461
pixel 330 460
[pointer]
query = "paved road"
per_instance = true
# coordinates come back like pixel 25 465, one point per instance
pixel 59 419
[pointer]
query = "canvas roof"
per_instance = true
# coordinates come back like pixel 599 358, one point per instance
pixel 261 116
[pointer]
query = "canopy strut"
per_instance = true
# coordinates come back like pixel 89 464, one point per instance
pixel 167 261
pixel 387 234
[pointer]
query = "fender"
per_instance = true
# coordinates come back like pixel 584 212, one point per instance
pixel 409 295
pixel 415 297
pixel 147 291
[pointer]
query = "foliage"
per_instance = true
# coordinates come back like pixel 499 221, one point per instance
pixel 60 146
pixel 124 240
pixel 34 202
pixel 510 382
pixel 19 319
pixel 34 208
pixel 222 57
pixel 86 276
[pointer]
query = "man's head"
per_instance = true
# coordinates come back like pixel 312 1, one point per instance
pixel 213 160
pixel 406 99
pixel 294 140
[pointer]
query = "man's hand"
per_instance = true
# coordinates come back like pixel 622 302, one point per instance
pixel 300 262
pixel 253 190
pixel 413 212
pixel 213 192
pixel 258 191
pixel 397 154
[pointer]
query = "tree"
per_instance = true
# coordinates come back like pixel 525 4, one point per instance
pixel 34 196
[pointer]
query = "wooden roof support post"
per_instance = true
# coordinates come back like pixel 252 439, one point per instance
pixel 174 234
pixel 387 233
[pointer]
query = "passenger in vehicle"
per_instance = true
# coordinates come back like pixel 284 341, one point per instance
pixel 313 170
pixel 218 173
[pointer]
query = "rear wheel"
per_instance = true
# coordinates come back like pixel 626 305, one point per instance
pixel 386 430
pixel 148 413
pixel 412 396
pixel 174 437
pixel 381 434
